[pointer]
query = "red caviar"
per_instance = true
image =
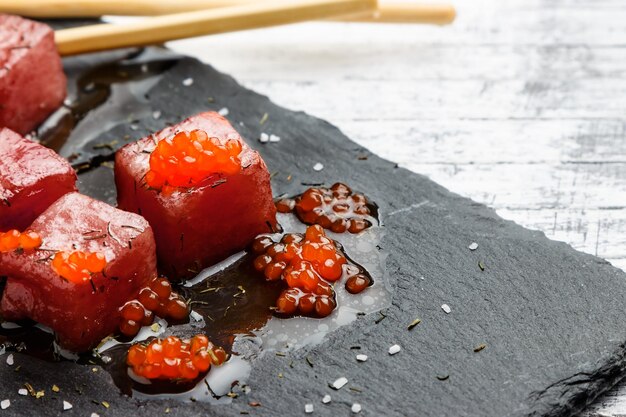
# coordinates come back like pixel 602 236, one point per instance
pixel 173 358
pixel 336 208
pixel 156 299
pixel 14 240
pixel 308 264
pixel 188 158
pixel 77 266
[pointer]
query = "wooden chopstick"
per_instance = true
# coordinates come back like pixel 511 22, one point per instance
pixel 388 11
pixel 155 30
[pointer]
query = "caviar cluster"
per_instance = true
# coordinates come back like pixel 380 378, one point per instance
pixel 156 299
pixel 307 264
pixel 14 240
pixel 188 158
pixel 336 208
pixel 77 266
pixel 173 358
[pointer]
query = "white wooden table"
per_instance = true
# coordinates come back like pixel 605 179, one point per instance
pixel 520 105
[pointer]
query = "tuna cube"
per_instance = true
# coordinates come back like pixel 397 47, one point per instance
pixel 81 312
pixel 32 82
pixel 32 177
pixel 203 217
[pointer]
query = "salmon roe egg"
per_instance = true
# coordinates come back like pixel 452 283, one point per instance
pixel 336 208
pixel 158 299
pixel 173 358
pixel 307 264
pixel 77 266
pixel 14 240
pixel 188 158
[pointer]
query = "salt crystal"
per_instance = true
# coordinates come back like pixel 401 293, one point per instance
pixel 95 415
pixel 223 111
pixel 446 308
pixel 318 167
pixel 66 406
pixel 340 382
pixel 326 399
pixel 361 358
pixel 195 315
pixel 264 138
pixel 473 246
pixel 274 138
pixel 156 114
pixel 10 360
pixel 394 349
pixel 308 408
pixel 356 408
pixel 188 81
pixel 4 404
pixel 22 391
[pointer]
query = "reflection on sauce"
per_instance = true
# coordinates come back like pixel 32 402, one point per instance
pixel 121 86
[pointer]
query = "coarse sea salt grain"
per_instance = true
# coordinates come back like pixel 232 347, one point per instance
pixel 67 406
pixel 10 360
pixel 473 246
pixel 223 111
pixel 446 308
pixel 318 167
pixel 156 114
pixel 188 81
pixel 95 415
pixel 361 357
pixel 22 391
pixel 356 408
pixel 339 382
pixel 195 315
pixel 326 399
pixel 264 138
pixel 308 408
pixel 394 349
pixel 274 138
pixel 4 404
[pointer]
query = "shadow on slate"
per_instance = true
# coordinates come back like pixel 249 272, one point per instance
pixel 552 318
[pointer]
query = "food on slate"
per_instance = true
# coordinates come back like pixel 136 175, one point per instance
pixel 204 199
pixel 93 259
pixel 31 178
pixel 32 83
pixel 307 264
pixel 155 299
pixel 337 209
pixel 173 358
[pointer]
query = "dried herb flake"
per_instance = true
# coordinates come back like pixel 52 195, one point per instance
pixel 414 323
pixel 480 347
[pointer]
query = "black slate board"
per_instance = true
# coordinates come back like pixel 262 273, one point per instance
pixel 551 318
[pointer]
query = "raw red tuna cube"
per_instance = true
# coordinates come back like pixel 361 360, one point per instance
pixel 32 177
pixel 32 82
pixel 198 226
pixel 81 313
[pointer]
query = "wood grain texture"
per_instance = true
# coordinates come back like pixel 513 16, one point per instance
pixel 518 104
